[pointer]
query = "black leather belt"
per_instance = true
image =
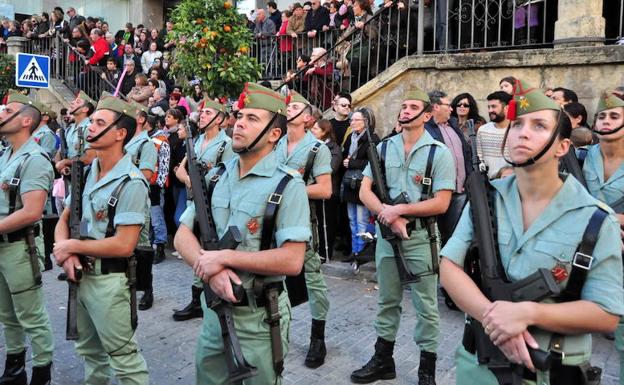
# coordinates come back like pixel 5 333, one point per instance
pixel 17 235
pixel 261 300
pixel 113 265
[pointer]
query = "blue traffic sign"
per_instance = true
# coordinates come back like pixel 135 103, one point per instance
pixel 32 71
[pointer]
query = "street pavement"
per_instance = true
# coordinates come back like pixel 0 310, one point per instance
pixel 169 346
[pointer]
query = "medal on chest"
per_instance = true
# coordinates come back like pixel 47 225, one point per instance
pixel 208 165
pixel 100 215
pixel 253 226
pixel 417 179
pixel 301 170
pixel 559 272
pixel 4 186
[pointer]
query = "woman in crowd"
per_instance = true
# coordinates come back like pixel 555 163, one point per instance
pixel 464 107
pixel 155 38
pixel 507 84
pixel 142 44
pixel 141 92
pixel 148 57
pixel 355 160
pixel 327 212
pixel 174 126
pixel 156 75
pixel 195 98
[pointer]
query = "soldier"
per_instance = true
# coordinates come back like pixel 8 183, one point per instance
pixel 144 156
pixel 540 221
pixel 604 172
pixel 300 150
pixel 44 136
pixel 105 326
pixel 241 198
pixel 407 158
pixel 26 176
pixel 212 147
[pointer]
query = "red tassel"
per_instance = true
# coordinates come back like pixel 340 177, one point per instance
pixel 511 110
pixel 5 99
pixel 241 100
pixel 201 105
pixel 287 99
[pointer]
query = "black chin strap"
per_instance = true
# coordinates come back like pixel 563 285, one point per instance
pixel 299 114
pixel 253 144
pixel 212 120
pixel 533 159
pixel 98 136
pixel 13 116
pixel 415 117
pixel 602 133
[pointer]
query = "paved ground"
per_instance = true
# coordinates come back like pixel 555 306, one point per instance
pixel 169 346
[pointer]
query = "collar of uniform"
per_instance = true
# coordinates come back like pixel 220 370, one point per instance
pixel 561 203
pixel 266 167
pixel 425 140
pixel 41 130
pixel 136 138
pixel 85 122
pixel 217 138
pixel 596 162
pixel 29 147
pixel 307 140
pixel 123 168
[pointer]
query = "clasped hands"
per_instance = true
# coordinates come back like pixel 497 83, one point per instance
pixel 209 267
pixel 65 257
pixel 506 324
pixel 390 216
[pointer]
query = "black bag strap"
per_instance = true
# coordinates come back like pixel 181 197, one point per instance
pixel 427 181
pixel 220 152
pixel 14 184
pixel 137 160
pixel 382 160
pixel 270 213
pixel 310 162
pixel 112 207
pixel 582 260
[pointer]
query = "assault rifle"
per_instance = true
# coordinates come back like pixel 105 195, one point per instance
pixel 238 367
pixel 379 179
pixel 75 219
pixel 494 283
pixel 63 154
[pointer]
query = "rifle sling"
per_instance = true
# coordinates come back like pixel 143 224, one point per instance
pixel 429 222
pixel 310 161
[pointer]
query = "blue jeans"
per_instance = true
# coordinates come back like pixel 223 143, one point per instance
pixel 358 221
pixel 158 221
pixel 179 197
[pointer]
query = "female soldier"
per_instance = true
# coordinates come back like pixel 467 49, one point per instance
pixel 540 221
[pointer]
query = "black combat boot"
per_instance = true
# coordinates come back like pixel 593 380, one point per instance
pixel 147 300
pixel 380 367
pixel 160 253
pixel 14 369
pixel 193 309
pixel 317 350
pixel 41 375
pixel 426 369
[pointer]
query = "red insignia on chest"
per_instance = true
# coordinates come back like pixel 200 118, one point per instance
pixel 208 165
pixel 4 186
pixel 301 170
pixel 252 226
pixel 559 273
pixel 100 215
pixel 417 178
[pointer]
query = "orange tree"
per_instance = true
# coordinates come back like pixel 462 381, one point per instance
pixel 7 73
pixel 212 44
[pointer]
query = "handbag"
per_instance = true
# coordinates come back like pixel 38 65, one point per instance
pixel 352 180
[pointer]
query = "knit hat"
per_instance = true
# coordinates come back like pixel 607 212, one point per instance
pixel 257 96
pixel 529 99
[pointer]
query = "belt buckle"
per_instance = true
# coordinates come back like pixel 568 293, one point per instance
pixel 274 198
pixel 557 352
pixel 582 261
pixel 90 262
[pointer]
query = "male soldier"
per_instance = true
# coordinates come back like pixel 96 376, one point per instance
pixel 407 158
pixel 295 150
pixel 144 156
pixel 114 208
pixel 604 172
pixel 242 194
pixel 26 176
pixel 44 136
pixel 212 147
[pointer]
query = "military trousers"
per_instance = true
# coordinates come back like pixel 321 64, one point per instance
pixel 254 336
pixel 22 307
pixel 424 296
pixel 317 288
pixel 106 340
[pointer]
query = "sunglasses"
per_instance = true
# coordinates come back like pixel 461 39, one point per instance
pixel 463 105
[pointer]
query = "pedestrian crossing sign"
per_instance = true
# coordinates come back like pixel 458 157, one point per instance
pixel 32 71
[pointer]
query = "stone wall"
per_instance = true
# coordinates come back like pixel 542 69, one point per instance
pixel 586 70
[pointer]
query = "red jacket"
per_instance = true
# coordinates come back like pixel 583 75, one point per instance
pixel 101 51
pixel 285 41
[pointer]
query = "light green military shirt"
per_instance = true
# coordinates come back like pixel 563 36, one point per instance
pixel 209 154
pixel 75 146
pixel 47 140
pixel 142 143
pixel 405 175
pixel 241 201
pixel 298 158
pixel 609 191
pixel 36 173
pixel 552 240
